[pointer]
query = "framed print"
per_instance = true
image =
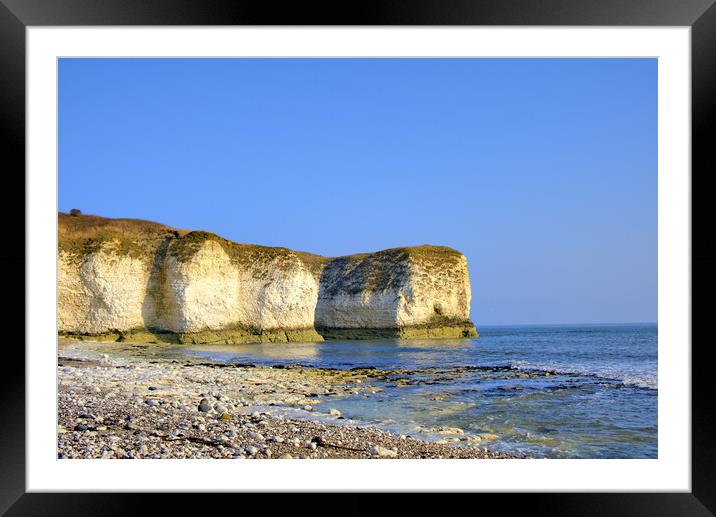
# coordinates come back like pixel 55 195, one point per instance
pixel 436 249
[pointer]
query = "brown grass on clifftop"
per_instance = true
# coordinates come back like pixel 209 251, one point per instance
pixel 85 233
pixel 90 225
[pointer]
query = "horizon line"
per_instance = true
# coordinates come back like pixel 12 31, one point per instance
pixel 557 324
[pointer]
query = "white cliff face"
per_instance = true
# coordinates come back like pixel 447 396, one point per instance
pixel 201 288
pixel 360 310
pixel 394 291
pixel 211 292
pixel 434 291
pixel 104 291
pixel 281 300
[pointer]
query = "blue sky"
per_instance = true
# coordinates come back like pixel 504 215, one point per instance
pixel 543 172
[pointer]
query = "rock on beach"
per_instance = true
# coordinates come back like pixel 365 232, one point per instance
pixel 180 426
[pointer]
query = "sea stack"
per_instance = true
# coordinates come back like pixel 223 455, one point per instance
pixel 133 280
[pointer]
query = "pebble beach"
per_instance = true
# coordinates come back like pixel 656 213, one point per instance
pixel 135 407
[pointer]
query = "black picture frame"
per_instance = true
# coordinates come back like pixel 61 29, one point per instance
pixel 16 15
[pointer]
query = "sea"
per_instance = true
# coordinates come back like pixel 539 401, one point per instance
pixel 547 391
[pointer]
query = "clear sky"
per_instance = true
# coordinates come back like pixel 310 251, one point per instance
pixel 543 172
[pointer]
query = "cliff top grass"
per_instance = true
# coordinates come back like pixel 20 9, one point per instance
pixel 82 234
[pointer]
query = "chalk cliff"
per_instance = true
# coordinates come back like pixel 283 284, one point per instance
pixel 124 279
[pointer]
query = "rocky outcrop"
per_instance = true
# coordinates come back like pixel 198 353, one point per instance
pixel 121 279
pixel 414 292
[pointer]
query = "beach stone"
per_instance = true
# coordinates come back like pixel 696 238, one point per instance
pixel 381 452
pixel 220 408
pixel 152 402
pixel 251 450
pixel 204 406
pixel 285 457
pixel 256 436
pixel 152 388
pixel 308 407
pixel 334 412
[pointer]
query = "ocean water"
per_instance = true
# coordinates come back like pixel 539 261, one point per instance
pixel 542 391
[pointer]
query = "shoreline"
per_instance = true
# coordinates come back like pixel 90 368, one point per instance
pixel 139 407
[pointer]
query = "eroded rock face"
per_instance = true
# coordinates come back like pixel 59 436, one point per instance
pixel 405 292
pixel 102 292
pixel 263 292
pixel 155 284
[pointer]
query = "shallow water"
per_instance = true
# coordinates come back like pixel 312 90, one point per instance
pixel 545 391
pixel 600 400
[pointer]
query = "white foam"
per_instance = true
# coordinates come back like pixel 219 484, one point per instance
pixel 628 378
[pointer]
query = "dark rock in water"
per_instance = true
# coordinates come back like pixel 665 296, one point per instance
pixel 204 406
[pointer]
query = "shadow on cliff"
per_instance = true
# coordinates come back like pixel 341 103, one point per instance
pixel 321 302
pixel 344 276
pixel 155 307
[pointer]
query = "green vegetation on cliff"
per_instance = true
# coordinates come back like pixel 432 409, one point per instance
pixel 79 235
pixel 82 234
